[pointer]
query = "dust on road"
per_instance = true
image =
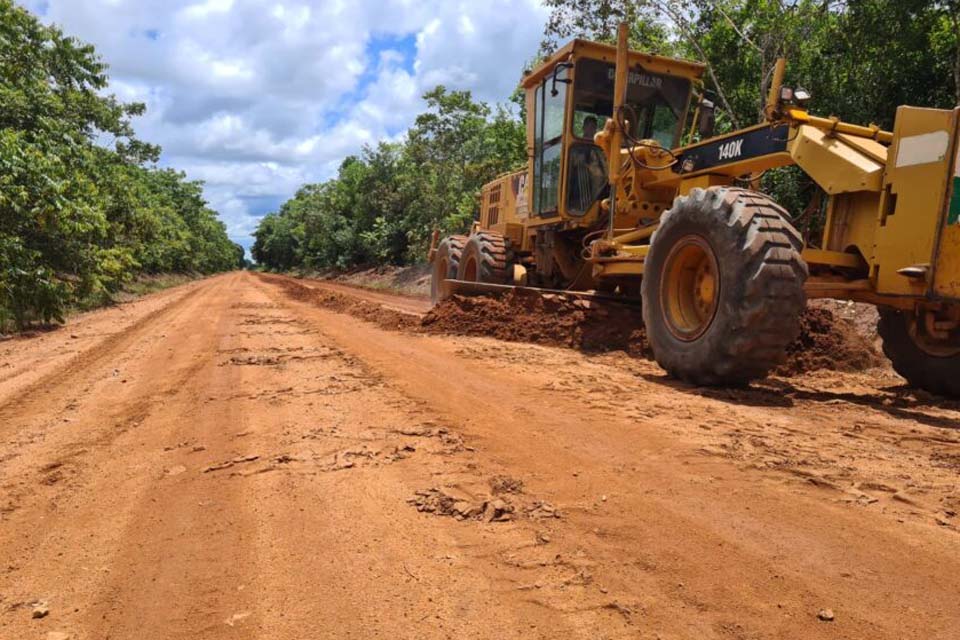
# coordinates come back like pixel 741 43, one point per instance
pixel 243 458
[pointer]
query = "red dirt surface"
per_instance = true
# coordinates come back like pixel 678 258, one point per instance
pixel 236 460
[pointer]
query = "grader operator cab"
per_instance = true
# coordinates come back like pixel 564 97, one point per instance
pixel 613 202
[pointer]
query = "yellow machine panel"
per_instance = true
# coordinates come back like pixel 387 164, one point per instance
pixel 835 164
pixel 503 205
pixel 915 196
pixel 946 276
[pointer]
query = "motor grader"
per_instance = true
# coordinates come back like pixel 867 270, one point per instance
pixel 722 274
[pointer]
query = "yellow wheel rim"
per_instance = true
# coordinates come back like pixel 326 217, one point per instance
pixel 690 288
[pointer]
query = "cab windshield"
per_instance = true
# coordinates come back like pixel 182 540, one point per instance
pixel 656 103
pixel 655 107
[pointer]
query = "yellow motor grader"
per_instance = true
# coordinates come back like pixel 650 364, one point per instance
pixel 612 203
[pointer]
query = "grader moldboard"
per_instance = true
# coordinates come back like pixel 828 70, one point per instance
pixel 722 274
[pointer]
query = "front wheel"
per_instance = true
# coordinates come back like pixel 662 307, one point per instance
pixel 723 287
pixel 925 363
pixel 488 258
pixel 446 263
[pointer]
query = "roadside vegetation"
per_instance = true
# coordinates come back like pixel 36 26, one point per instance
pixel 383 204
pixel 860 58
pixel 84 209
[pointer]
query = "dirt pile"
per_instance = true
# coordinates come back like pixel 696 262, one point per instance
pixel 826 341
pixel 354 306
pixel 552 319
pixel 831 337
pixel 462 507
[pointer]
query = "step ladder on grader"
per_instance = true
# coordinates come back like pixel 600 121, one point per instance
pixel 610 203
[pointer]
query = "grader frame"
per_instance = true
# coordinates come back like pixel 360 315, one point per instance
pixel 891 199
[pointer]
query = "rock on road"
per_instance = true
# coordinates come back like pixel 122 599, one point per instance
pixel 220 460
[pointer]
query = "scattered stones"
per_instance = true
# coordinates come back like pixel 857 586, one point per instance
pixel 543 537
pixel 230 463
pixel 466 509
pixel 541 510
pixel 505 484
pixel 40 610
pixel 462 507
pixel 581 578
pixel 254 360
pixel 421 430
pixel 452 441
pixel 498 511
pixel 825 615
pixel 401 453
pixel 347 458
pixel 445 503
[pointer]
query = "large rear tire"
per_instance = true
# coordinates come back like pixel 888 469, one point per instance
pixel 932 367
pixel 488 258
pixel 446 262
pixel 723 287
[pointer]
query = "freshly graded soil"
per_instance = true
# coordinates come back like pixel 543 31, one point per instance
pixel 825 341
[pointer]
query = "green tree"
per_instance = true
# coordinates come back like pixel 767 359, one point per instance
pixel 79 218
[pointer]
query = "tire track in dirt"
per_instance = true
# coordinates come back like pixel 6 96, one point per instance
pixel 35 395
pixel 68 480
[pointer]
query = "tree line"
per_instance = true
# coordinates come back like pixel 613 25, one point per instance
pixel 383 203
pixel 860 58
pixel 83 206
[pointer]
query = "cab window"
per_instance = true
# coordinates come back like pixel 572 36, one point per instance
pixel 550 101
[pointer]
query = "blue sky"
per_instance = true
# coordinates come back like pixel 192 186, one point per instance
pixel 257 97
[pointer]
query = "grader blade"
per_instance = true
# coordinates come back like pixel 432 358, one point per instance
pixel 466 288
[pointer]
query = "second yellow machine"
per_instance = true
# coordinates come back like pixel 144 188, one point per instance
pixel 611 202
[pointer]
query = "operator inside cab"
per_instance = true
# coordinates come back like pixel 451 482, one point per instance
pixel 588 170
pixel 655 105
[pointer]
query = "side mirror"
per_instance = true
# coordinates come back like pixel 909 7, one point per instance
pixel 707 122
pixel 561 66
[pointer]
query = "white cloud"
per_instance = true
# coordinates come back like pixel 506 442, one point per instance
pixel 258 97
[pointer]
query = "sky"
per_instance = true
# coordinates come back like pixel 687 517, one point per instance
pixel 257 97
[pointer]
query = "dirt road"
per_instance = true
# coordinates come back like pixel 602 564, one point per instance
pixel 222 460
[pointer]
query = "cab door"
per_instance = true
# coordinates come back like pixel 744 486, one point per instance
pixel 550 101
